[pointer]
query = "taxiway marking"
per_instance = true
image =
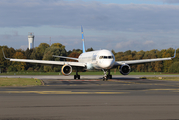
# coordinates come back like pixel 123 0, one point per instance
pixel 80 80
pixel 60 92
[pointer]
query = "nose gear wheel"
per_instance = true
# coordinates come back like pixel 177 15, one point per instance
pixel 106 77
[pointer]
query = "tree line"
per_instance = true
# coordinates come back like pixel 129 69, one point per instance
pixel 45 51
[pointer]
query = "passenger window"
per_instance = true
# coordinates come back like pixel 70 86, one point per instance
pixel 105 57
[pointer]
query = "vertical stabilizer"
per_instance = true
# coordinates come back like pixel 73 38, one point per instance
pixel 83 40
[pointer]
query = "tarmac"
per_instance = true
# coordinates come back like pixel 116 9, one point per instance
pixel 62 98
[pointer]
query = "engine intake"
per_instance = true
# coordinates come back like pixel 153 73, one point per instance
pixel 66 70
pixel 125 69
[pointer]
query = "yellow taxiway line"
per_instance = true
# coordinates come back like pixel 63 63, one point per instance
pixel 60 92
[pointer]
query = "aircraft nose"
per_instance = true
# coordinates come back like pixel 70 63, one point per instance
pixel 108 64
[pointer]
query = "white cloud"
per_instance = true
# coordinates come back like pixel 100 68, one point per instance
pixel 93 15
pixel 135 45
pixel 126 45
pixel 148 42
pixel 130 26
pixel 168 1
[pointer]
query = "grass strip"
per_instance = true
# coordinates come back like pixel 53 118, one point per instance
pixel 163 78
pixel 20 82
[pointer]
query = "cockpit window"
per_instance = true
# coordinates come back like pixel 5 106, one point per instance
pixel 110 57
pixel 101 57
pixel 106 57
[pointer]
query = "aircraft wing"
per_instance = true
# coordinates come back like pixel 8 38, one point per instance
pixel 66 57
pixel 46 62
pixel 133 62
pixel 78 64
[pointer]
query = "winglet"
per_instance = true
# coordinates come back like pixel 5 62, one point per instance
pixel 83 40
pixel 174 53
pixel 4 55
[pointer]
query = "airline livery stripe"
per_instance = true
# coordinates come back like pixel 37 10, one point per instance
pixel 82 36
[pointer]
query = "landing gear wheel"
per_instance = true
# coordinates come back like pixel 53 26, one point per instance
pixel 76 76
pixel 109 76
pixel 105 78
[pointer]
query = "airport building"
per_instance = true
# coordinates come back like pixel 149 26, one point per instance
pixel 31 40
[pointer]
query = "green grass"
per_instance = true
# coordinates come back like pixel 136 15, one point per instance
pixel 164 78
pixel 30 73
pixel 19 82
pixel 85 73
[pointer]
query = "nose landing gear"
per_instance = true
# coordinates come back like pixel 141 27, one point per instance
pixel 106 77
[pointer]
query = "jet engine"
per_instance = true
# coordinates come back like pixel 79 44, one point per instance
pixel 66 70
pixel 125 69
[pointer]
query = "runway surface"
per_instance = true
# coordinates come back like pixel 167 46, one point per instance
pixel 62 98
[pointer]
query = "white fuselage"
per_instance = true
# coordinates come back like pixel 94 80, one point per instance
pixel 101 59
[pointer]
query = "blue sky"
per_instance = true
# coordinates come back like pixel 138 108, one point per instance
pixel 156 2
pixel 108 24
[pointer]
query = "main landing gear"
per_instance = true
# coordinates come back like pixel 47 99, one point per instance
pixel 77 76
pixel 106 77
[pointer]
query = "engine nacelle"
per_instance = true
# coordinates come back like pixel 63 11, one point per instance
pixel 66 70
pixel 125 69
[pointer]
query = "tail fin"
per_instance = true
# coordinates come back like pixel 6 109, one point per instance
pixel 83 40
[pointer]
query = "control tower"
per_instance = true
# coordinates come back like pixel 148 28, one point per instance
pixel 31 40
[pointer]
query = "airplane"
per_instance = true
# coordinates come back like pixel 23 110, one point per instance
pixel 100 60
